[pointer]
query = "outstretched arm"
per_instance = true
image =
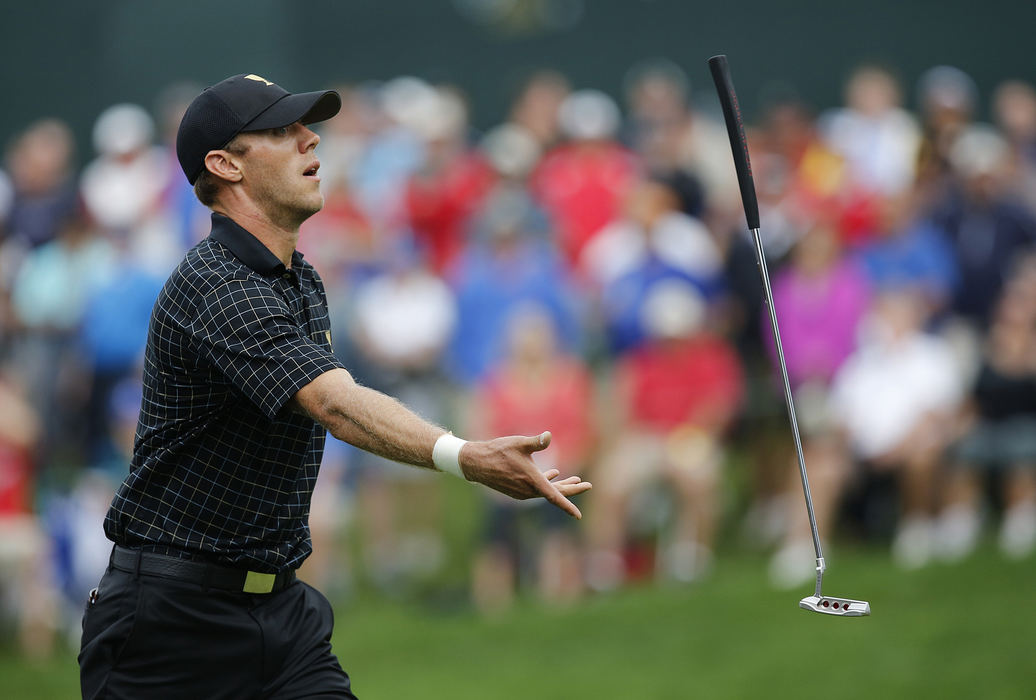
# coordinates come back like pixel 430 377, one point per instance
pixel 380 424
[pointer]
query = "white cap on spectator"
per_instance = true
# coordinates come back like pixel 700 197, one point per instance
pixel 511 150
pixel 979 150
pixel 673 309
pixel 122 129
pixel 407 100
pixel 588 115
pixel 444 117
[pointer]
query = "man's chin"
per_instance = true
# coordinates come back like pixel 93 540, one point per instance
pixel 309 208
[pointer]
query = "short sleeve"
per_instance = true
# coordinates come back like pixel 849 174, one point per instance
pixel 246 330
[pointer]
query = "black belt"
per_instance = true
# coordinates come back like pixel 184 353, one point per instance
pixel 202 573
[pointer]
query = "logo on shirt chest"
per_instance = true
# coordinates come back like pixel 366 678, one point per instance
pixel 322 336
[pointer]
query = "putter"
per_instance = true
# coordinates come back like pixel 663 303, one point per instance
pixel 818 602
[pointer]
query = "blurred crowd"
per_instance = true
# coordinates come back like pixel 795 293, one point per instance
pixel 583 267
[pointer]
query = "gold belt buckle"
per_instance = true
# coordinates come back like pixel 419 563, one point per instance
pixel 256 582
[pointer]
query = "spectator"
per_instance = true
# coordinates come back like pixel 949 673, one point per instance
pixel 1014 109
pixel 512 153
pixel 875 135
pixel 393 152
pixel 450 183
pixel 799 177
pixel 582 183
pixel 653 226
pixel 123 186
pixel 894 398
pixel 658 125
pixel 112 334
pixel 820 299
pixel 535 384
pixel 946 99
pixel 986 229
pixel 504 267
pixel 43 187
pixel 35 201
pixel 907 249
pixel 652 242
pixel 675 139
pixel 26 594
pixel 537 105
pixel 49 298
pixel 402 321
pixel 1000 432
pixel 674 398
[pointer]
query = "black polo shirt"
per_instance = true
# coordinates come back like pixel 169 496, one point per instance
pixel 222 470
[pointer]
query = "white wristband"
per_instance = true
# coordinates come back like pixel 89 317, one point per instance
pixel 446 454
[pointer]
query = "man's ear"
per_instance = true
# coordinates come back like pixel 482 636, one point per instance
pixel 224 165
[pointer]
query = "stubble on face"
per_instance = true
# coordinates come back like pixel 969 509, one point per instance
pixel 277 185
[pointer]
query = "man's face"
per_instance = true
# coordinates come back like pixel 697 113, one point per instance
pixel 279 171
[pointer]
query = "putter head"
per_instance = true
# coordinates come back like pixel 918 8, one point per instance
pixel 844 607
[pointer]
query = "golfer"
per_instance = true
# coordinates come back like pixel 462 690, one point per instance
pixel 200 599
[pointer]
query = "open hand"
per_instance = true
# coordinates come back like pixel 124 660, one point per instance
pixel 505 465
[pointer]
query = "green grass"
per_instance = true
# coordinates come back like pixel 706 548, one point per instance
pixel 960 631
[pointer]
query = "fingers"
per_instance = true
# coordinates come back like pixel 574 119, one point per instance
pixel 556 492
pixel 569 480
pixel 564 504
pixel 569 486
pixel 574 488
pixel 553 494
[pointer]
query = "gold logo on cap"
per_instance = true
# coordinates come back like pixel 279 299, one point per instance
pixel 257 78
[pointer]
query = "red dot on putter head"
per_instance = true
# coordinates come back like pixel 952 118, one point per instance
pixel 835 606
pixel 825 603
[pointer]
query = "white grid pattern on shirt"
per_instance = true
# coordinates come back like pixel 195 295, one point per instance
pixel 220 469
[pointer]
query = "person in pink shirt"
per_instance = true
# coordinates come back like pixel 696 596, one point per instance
pixel 820 299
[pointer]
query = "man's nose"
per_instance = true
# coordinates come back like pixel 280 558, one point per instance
pixel 308 139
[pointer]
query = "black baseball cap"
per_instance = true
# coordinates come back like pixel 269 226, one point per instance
pixel 243 103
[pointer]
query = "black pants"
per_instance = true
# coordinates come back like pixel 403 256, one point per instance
pixel 151 637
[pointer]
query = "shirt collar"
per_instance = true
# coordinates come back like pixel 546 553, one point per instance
pixel 249 249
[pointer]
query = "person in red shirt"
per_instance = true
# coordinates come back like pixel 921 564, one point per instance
pixel 675 396
pixel 449 186
pixel 24 548
pixel 536 382
pixel 583 183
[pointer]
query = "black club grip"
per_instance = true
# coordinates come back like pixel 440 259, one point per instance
pixel 736 131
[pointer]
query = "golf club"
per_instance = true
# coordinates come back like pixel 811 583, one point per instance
pixel 818 602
